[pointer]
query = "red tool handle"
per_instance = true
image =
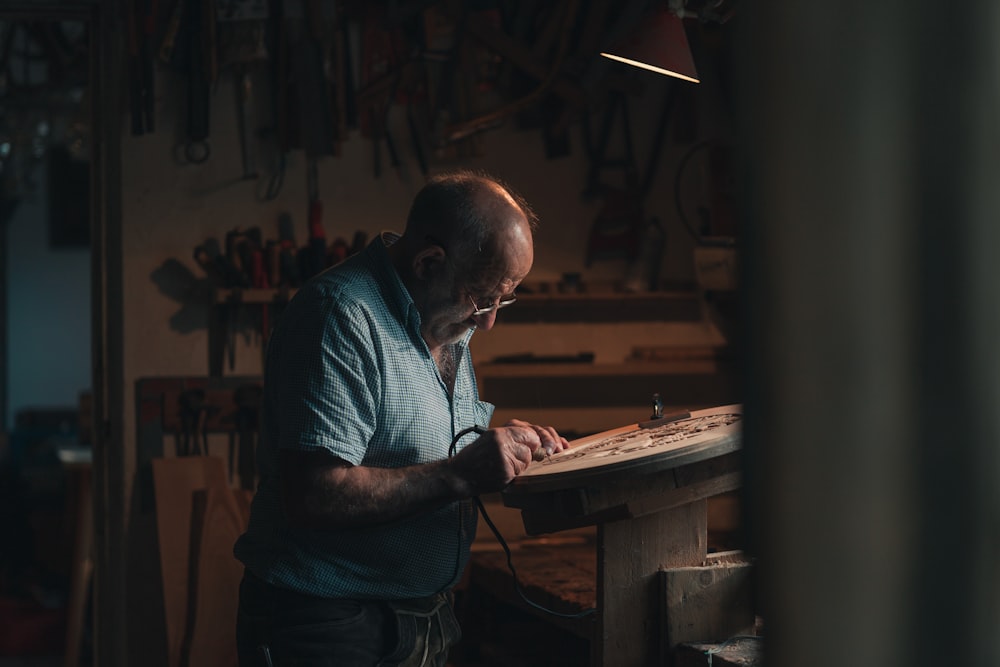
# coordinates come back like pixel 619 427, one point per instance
pixel 316 220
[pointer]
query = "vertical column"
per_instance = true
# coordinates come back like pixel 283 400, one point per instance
pixel 873 386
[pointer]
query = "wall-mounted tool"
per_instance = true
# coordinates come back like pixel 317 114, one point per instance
pixel 142 86
pixel 242 46
pixel 657 407
pixel 189 46
pixel 312 257
pixel 290 274
pixel 192 440
pixel 310 122
pixel 480 26
pixel 380 75
pixel 243 443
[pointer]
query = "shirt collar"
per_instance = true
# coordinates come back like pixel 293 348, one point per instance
pixel 396 295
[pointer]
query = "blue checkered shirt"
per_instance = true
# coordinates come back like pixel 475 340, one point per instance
pixel 347 371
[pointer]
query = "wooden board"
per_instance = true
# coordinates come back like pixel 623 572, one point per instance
pixel 706 603
pixel 645 487
pixel 175 481
pixel 650 447
pixel 217 520
pixel 629 556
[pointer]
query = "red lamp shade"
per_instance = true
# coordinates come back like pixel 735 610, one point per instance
pixel 659 44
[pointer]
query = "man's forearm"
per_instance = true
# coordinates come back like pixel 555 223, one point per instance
pixel 341 496
pixel 321 491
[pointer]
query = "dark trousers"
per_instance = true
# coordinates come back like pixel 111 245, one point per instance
pixel 277 627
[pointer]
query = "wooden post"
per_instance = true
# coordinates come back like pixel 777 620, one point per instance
pixel 629 556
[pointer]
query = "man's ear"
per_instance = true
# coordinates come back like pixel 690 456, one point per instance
pixel 428 262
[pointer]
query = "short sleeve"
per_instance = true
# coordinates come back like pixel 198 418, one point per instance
pixel 327 380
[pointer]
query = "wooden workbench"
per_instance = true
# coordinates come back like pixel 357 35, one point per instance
pixel 648 502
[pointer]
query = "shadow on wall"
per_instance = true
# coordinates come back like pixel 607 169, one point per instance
pixel 229 320
pixel 192 293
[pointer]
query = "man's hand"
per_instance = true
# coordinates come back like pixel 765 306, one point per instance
pixel 551 441
pixel 501 454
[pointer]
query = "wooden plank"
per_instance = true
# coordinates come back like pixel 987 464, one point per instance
pixel 253 295
pixel 683 495
pixel 217 520
pixel 82 567
pixel 613 307
pixel 620 457
pixel 706 603
pixel 625 496
pixel 630 555
pixel 174 482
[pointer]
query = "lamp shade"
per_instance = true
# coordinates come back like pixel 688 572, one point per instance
pixel 658 44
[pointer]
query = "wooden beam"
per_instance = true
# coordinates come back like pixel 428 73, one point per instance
pixel 111 473
pixel 705 603
pixel 630 555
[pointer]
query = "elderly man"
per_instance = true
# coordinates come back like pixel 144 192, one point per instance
pixel 375 439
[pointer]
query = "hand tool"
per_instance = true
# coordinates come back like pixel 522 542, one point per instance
pixel 248 400
pixel 272 257
pixel 218 268
pixel 665 419
pixel 192 436
pixel 199 25
pixel 242 27
pixel 380 74
pixel 315 252
pixel 481 25
pixel 657 407
pixel 244 94
pixel 238 256
pixel 290 275
pixel 166 52
pixel 261 280
pixel 276 134
pixel 313 119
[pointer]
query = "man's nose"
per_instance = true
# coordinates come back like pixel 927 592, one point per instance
pixel 486 320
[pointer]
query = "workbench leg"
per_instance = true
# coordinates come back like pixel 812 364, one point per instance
pixel 629 555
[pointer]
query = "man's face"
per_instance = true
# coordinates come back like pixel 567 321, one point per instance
pixel 453 298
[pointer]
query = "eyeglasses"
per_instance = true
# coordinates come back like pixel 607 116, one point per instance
pixel 502 303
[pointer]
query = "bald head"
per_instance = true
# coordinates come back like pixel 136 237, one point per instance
pixel 473 215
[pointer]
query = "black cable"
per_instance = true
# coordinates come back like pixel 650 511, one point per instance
pixel 503 543
pixel 479 430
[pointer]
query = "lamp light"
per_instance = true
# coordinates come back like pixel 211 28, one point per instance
pixel 658 44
